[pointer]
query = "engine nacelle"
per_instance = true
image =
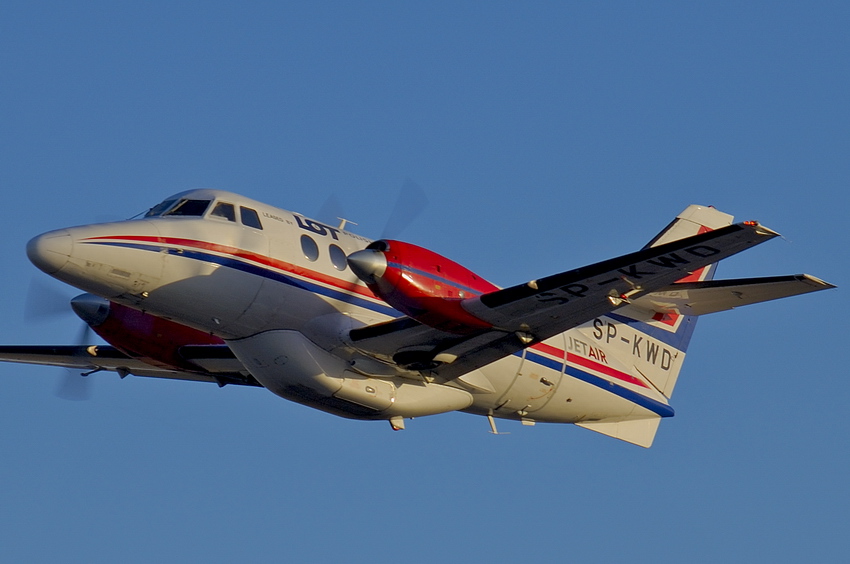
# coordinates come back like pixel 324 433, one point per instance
pixel 421 283
pixel 138 334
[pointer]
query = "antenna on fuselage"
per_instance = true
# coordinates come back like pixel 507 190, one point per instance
pixel 343 221
pixel 493 430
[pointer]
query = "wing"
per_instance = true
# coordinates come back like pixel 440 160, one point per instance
pixel 530 313
pixel 216 363
pixel 553 304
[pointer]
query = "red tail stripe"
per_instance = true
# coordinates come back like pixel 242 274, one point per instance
pixel 587 363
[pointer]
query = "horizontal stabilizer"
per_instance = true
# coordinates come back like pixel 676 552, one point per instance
pixel 640 432
pixel 710 296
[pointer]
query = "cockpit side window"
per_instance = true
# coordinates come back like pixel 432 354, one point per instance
pixel 225 210
pixel 159 208
pixel 250 218
pixel 194 208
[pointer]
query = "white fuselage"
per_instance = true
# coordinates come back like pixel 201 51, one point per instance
pixel 240 282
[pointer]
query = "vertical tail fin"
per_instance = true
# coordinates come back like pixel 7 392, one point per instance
pixel 693 221
pixel 657 348
pixel 649 344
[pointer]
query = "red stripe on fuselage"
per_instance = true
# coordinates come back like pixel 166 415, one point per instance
pixel 253 257
pixel 587 363
pixel 353 288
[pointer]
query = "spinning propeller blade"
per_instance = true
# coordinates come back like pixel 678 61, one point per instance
pixel 75 386
pixel 331 211
pixel 411 202
pixel 43 303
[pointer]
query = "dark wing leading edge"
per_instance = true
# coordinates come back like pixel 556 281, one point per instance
pixel 529 313
pixel 553 304
pixel 215 363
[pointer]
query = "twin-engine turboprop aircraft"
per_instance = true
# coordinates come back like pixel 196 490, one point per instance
pixel 212 286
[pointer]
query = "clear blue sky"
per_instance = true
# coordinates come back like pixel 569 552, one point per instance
pixel 548 135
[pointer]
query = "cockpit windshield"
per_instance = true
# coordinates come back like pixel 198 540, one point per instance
pixel 160 208
pixel 198 207
pixel 193 208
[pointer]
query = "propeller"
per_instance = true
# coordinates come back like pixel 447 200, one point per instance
pixel 410 203
pixel 76 386
pixel 331 211
pixel 45 302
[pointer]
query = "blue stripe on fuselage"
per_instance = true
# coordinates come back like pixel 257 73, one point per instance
pixel 652 405
pixel 655 406
pixel 263 272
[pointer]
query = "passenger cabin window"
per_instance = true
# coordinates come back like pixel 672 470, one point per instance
pixel 225 210
pixel 250 218
pixel 337 257
pixel 309 248
pixel 159 208
pixel 186 208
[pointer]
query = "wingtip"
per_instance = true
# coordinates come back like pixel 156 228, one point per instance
pixel 761 229
pixel 815 281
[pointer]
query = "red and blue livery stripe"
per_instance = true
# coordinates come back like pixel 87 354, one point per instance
pixel 355 294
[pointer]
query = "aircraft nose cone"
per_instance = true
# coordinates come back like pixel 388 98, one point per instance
pixel 90 308
pixel 50 252
pixel 368 264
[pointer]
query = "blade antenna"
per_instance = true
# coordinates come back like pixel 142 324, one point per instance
pixel 493 430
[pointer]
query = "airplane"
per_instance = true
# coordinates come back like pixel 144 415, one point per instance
pixel 212 286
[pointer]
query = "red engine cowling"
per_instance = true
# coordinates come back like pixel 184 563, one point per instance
pixel 149 338
pixel 421 283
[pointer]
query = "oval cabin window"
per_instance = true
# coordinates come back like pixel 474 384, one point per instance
pixel 337 257
pixel 310 248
